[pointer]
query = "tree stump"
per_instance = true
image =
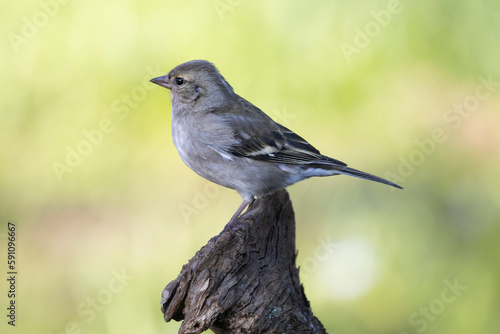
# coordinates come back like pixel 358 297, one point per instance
pixel 245 280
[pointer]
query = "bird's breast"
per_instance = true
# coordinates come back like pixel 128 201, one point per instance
pixel 184 139
pixel 201 141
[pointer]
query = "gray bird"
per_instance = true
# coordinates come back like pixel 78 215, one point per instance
pixel 229 141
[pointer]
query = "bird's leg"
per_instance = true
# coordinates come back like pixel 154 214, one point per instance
pixel 246 202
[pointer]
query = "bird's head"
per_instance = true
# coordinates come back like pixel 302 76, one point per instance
pixel 196 82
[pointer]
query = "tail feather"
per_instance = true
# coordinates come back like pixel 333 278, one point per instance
pixel 366 176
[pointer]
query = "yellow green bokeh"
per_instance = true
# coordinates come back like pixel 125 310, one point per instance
pixel 403 89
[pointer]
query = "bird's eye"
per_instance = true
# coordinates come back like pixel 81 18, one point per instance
pixel 179 81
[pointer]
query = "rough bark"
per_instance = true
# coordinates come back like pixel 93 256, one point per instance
pixel 245 280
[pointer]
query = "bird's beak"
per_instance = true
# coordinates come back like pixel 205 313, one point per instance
pixel 162 81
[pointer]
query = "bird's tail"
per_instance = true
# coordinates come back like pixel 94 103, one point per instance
pixel 366 176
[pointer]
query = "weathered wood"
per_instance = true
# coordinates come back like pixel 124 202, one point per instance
pixel 245 280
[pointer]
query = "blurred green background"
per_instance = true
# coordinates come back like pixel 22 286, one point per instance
pixel 107 213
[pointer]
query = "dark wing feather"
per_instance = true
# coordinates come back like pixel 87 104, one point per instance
pixel 298 151
pixel 260 138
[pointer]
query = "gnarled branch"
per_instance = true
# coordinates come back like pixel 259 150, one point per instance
pixel 245 280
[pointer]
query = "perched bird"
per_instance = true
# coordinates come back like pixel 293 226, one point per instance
pixel 229 141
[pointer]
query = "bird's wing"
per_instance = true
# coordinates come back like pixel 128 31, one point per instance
pixel 298 151
pixel 259 137
pixel 256 136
